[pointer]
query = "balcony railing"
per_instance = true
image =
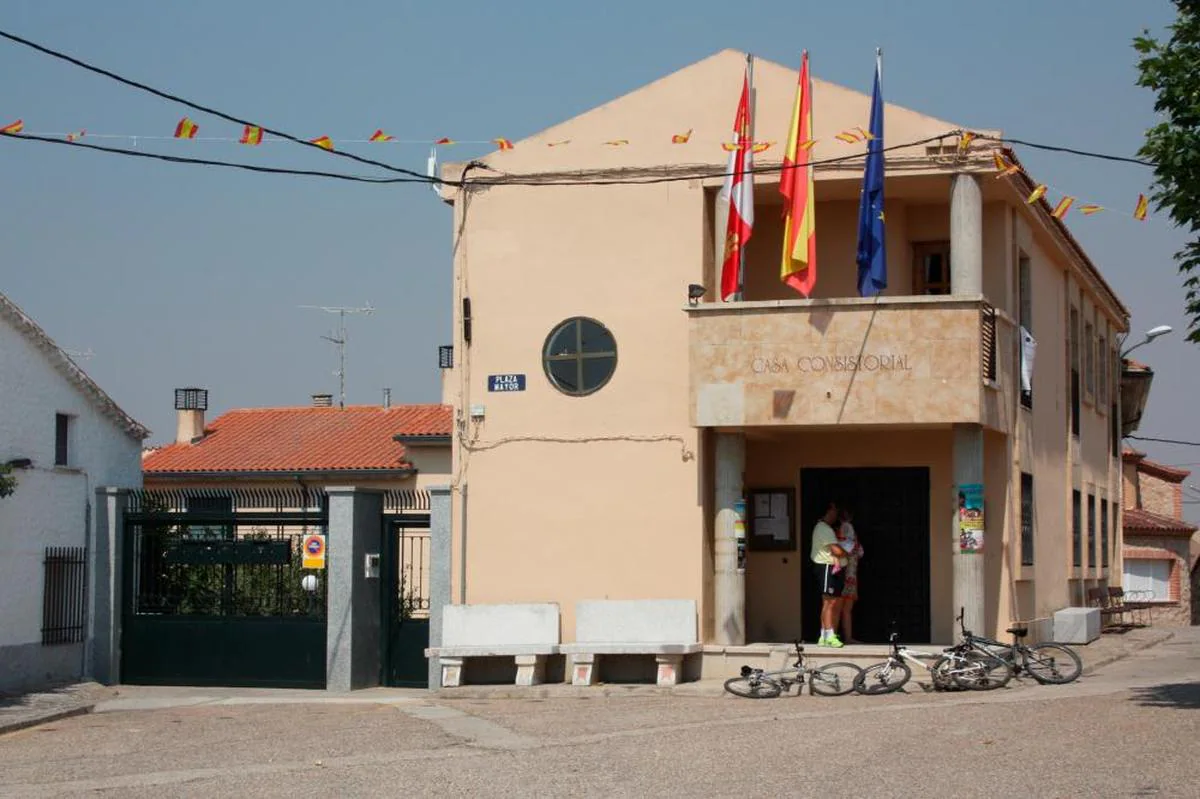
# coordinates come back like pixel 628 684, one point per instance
pixel 883 361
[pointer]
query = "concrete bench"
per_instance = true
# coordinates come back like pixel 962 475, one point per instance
pixel 665 628
pixel 526 632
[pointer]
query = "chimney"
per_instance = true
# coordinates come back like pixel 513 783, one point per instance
pixel 387 398
pixel 322 400
pixel 190 405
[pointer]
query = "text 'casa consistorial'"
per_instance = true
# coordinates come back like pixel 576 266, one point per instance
pixel 830 363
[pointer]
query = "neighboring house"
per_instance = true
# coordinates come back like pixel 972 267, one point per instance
pixel 1158 541
pixel 613 425
pixel 64 437
pixel 397 448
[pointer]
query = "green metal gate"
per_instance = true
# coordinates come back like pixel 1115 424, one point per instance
pixel 214 590
pixel 405 603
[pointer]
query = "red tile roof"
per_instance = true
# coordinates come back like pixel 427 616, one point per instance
pixel 1142 522
pixel 1161 470
pixel 303 439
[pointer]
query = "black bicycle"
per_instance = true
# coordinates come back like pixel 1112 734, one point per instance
pixel 1048 663
pixel 957 666
pixel 832 679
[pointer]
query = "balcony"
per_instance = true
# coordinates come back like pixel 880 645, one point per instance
pixel 919 360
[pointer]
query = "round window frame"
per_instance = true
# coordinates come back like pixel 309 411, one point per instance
pixel 578 357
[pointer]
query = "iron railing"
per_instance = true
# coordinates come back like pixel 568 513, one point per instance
pixel 64 595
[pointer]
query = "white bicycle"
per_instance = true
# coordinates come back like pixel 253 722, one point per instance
pixel 957 666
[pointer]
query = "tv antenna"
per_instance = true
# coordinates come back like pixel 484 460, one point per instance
pixel 340 339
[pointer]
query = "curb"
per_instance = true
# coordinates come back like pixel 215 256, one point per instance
pixel 1090 668
pixel 45 718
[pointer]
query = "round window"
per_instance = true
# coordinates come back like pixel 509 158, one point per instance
pixel 580 356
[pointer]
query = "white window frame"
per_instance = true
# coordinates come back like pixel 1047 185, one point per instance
pixel 1148 579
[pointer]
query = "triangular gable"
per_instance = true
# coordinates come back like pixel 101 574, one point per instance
pixel 702 98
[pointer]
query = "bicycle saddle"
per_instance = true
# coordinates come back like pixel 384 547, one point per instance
pixel 1019 632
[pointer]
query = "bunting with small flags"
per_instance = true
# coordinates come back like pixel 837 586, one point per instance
pixel 379 135
pixel 1038 193
pixel 322 141
pixel 186 129
pixel 252 135
pixel 444 140
pixel 681 138
pixel 1139 210
pixel 503 144
pixel 13 127
pixel 77 135
pixel 1064 205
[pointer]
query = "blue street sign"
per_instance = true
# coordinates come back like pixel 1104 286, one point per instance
pixel 506 382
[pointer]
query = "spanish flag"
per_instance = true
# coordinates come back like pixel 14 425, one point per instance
pixel 503 144
pixel 681 138
pixel 379 135
pixel 186 129
pixel 799 266
pixel 13 127
pixel 252 134
pixel 323 141
pixel 1139 210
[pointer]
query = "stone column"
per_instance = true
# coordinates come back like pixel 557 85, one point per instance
pixel 354 634
pixel 966 236
pixel 105 545
pixel 968 566
pixel 729 588
pixel 440 537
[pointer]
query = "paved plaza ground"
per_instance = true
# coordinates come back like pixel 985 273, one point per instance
pixel 1127 728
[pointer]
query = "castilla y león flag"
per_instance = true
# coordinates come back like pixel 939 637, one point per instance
pixel 738 190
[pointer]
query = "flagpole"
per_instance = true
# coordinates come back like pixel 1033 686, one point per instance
pixel 751 109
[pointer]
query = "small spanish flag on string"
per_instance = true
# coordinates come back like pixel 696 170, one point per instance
pixel 379 135
pixel 848 136
pixel 1063 206
pixel 558 143
pixel 1036 194
pixel 1003 167
pixel 759 147
pixel 13 127
pixel 251 134
pixel 444 140
pixel 807 144
pixel 1088 209
pixel 503 144
pixel 616 142
pixel 76 136
pixel 866 134
pixel 681 138
pixel 1139 210
pixel 323 141
pixel 186 129
pixel 965 141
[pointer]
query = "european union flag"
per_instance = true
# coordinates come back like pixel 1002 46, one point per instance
pixel 872 251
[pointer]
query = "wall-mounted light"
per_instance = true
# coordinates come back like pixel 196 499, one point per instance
pixel 695 292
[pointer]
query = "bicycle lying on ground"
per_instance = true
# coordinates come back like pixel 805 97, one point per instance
pixel 1048 663
pixel 955 667
pixel 831 679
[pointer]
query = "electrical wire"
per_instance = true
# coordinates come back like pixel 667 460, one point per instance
pixel 176 159
pixel 214 112
pixel 1166 441
pixel 1059 149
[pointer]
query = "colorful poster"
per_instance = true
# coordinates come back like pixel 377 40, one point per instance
pixel 970 517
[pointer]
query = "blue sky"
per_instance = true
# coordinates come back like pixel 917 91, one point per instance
pixel 178 275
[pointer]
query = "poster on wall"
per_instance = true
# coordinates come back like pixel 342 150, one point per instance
pixel 770 523
pixel 970 517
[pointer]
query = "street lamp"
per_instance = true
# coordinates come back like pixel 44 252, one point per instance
pixel 1151 334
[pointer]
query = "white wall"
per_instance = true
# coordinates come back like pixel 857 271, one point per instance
pixel 51 504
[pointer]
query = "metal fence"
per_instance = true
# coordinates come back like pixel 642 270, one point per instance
pixel 64 595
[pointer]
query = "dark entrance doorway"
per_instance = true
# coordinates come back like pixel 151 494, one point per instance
pixel 405 566
pixel 891 515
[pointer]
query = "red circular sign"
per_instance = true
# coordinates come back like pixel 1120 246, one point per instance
pixel 314 545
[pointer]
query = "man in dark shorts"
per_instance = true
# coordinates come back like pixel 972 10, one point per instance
pixel 828 569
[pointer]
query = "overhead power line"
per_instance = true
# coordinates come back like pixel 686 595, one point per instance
pixel 1060 149
pixel 1166 441
pixel 205 109
pixel 175 159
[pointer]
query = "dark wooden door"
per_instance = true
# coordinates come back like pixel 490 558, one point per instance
pixel 891 515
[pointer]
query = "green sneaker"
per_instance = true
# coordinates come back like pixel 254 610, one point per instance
pixel 832 641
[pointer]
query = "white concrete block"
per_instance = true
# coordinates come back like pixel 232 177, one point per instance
pixel 1076 625
pixel 636 621
pixel 502 626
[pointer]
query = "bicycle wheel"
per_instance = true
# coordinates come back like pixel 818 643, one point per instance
pixel 980 672
pixel 834 679
pixel 883 678
pixel 751 688
pixel 1053 663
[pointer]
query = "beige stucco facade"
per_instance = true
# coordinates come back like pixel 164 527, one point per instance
pixel 616 494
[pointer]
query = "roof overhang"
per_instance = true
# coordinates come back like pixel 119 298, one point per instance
pixel 422 441
pixel 275 476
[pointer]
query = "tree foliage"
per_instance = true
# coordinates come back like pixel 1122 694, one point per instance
pixel 1171 69
pixel 8 483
